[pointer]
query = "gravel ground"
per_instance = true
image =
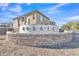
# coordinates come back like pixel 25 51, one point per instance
pixel 7 49
pixel 32 51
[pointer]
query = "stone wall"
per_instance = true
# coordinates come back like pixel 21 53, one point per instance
pixel 76 35
pixel 38 39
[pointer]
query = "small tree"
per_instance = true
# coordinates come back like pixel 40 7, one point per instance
pixel 70 26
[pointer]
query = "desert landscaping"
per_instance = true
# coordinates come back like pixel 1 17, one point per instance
pixel 39 29
pixel 9 49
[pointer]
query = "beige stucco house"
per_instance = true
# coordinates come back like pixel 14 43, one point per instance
pixel 32 18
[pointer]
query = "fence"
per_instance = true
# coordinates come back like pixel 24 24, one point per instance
pixel 4 29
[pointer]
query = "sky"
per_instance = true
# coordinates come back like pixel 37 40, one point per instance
pixel 60 13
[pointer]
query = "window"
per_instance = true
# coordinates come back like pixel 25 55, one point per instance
pixel 33 27
pixel 23 28
pixel 27 28
pixel 41 28
pixel 38 17
pixel 25 20
pixel 28 21
pixel 33 16
pixel 22 19
pixel 41 18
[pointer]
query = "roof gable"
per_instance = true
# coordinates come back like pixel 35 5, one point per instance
pixel 35 11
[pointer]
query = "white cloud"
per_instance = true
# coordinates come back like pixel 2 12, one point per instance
pixel 11 16
pixel 28 4
pixel 20 3
pixel 57 6
pixel 7 15
pixel 4 5
pixel 59 23
pixel 54 9
pixel 4 20
pixel 17 8
pixel 73 18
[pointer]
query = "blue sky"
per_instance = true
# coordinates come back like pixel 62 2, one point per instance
pixel 61 13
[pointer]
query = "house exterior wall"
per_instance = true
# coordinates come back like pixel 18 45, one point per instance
pixel 42 20
pixel 15 25
pixel 32 19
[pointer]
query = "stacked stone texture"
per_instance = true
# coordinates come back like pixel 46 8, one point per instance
pixel 39 39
